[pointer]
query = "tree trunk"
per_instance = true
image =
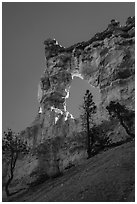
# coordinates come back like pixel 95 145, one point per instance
pixel 7 186
pixel 88 137
pixel 12 167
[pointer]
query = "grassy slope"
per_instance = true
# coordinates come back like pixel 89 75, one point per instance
pixel 108 176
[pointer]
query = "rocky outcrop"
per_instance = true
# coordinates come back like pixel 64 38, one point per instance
pixel 106 61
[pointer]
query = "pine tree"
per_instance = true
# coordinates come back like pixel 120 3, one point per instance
pixel 88 109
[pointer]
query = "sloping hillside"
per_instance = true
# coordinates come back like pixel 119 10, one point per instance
pixel 108 176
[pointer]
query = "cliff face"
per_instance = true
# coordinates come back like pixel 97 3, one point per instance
pixel 106 61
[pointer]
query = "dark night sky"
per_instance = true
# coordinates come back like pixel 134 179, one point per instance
pixel 24 28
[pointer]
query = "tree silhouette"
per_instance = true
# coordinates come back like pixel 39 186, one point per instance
pixel 88 109
pixel 125 116
pixel 12 147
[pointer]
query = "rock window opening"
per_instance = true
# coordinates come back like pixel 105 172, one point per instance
pixel 76 93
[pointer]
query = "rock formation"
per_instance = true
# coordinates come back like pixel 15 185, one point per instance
pixel 106 61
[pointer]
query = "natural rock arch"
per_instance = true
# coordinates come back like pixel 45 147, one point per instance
pixel 100 62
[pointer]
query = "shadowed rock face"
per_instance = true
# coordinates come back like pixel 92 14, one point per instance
pixel 106 61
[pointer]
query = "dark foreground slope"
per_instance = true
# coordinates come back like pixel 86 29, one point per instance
pixel 108 176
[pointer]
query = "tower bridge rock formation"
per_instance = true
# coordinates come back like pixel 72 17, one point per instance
pixel 106 61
